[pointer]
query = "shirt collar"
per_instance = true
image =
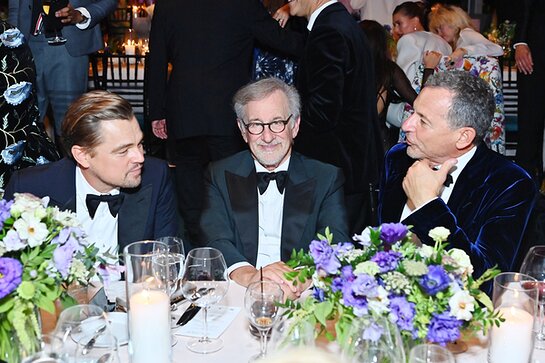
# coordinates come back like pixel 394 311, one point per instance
pixel 461 164
pixel 317 12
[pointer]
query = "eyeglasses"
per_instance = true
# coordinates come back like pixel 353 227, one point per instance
pixel 277 126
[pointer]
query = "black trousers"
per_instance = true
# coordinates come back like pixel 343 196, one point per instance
pixel 191 157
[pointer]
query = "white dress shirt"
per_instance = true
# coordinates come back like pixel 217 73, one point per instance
pixel 270 212
pixel 447 191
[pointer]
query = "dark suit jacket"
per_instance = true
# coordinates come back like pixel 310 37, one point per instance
pixel 79 42
pixel 531 27
pixel 339 122
pixel 147 212
pixel 209 44
pixel 313 200
pixel 486 213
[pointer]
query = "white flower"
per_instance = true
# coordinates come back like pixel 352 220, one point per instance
pixel 352 255
pixel 462 261
pixel 426 251
pixel 462 305
pixel 368 267
pixel 66 218
pixel 317 282
pixel 31 229
pixel 439 234
pixel 27 203
pixel 78 270
pixel 380 303
pixel 364 238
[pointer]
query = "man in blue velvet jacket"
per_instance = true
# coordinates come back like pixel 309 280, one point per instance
pixel 488 201
pixel 118 195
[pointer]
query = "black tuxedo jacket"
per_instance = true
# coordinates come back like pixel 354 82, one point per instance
pixel 210 45
pixel 147 212
pixel 339 122
pixel 486 214
pixel 313 200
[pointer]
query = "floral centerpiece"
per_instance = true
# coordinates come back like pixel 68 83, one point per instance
pixel 42 250
pixel 427 291
pixel 503 35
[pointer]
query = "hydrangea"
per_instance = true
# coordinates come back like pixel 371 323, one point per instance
pixel 367 267
pixel 435 280
pixel 415 268
pixel 444 328
pixel 439 234
pixel 11 272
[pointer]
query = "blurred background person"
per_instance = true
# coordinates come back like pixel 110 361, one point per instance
pixel 23 142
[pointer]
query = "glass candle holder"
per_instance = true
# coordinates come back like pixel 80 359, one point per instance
pixel 148 302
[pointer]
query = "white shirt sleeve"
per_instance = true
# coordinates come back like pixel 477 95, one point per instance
pixel 85 13
pixel 477 45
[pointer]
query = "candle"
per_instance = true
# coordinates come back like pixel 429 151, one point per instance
pixel 130 48
pixel 149 327
pixel 513 341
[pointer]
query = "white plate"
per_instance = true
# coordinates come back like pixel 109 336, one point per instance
pixel 119 326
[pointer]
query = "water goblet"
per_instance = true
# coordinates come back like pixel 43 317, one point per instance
pixel 534 265
pixel 78 321
pixel 430 353
pixel 52 350
pixel 261 305
pixel 205 283
pixel 101 349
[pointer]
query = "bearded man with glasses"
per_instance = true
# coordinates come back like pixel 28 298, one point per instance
pixel 262 203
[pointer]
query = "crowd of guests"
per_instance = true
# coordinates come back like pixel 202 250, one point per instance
pixel 262 166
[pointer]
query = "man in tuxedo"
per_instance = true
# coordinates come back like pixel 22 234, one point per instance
pixel 209 45
pixel 444 175
pixel 262 203
pixel 530 59
pixel 339 122
pixel 61 71
pixel 119 195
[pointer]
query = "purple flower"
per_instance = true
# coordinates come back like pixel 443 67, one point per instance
pixel 403 312
pixel 319 294
pixel 63 255
pixel 12 241
pixel 5 207
pixel 435 280
pixel 324 256
pixel 343 248
pixel 358 303
pixel 11 272
pixel 365 285
pixel 386 261
pixel 444 328
pixel 347 276
pixel 373 332
pixel 393 232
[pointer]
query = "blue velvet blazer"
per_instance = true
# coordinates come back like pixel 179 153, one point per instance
pixel 487 211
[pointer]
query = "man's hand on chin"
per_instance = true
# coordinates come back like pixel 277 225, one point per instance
pixel 245 275
pixel 424 181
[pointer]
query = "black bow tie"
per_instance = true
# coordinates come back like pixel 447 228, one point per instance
pixel 263 180
pixel 114 203
pixel 448 181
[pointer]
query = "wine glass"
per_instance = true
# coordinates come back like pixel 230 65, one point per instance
pixel 261 305
pixel 52 350
pixel 52 24
pixel 104 349
pixel 534 266
pixel 291 333
pixel 204 283
pixel 430 353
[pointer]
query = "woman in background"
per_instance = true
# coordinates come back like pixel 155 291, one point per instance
pixel 23 141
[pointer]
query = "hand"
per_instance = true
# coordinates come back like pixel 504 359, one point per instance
pixel 245 275
pixel 523 58
pixel 431 59
pixel 70 15
pixel 457 54
pixel 159 128
pixel 423 183
pixel 282 15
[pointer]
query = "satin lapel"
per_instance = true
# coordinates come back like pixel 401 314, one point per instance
pixel 242 192
pixel 298 204
pixel 133 215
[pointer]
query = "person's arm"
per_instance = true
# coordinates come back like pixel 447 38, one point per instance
pixel 523 53
pixel 94 12
pixel 403 86
pixel 473 43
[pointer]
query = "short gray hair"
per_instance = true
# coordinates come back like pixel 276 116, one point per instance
pixel 472 101
pixel 261 89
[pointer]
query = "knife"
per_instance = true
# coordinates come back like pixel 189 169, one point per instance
pixel 189 314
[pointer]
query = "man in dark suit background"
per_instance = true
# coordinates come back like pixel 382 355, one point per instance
pixel 487 200
pixel 209 45
pixel 339 123
pixel 61 71
pixel 530 59
pixel 105 157
pixel 262 203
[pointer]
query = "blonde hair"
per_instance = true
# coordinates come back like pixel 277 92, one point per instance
pixel 456 17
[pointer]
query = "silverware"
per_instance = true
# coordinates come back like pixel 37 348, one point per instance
pixel 189 314
pixel 91 343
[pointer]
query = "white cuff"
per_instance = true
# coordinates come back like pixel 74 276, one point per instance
pixel 519 43
pixel 86 23
pixel 234 266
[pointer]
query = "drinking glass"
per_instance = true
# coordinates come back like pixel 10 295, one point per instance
pixel 52 350
pixel 261 305
pixel 534 265
pixel 78 321
pixel 104 349
pixel 376 340
pixel 290 333
pixel 430 353
pixel 52 24
pixel 205 283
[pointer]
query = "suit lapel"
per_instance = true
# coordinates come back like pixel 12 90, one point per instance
pixel 133 215
pixel 298 204
pixel 242 190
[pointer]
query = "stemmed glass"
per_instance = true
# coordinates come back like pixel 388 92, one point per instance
pixel 52 24
pixel 261 305
pixel 534 266
pixel 205 283
pixel 430 353
pixel 104 349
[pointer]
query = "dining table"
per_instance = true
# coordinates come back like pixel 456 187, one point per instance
pixel 239 345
